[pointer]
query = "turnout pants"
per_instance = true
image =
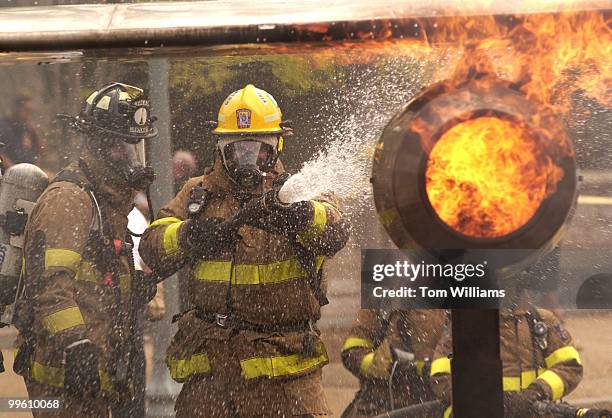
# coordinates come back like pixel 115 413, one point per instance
pixel 264 398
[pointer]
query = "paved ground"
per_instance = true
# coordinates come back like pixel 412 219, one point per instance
pixel 592 333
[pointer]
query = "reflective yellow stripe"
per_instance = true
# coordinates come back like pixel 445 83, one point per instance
pixel 352 342
pixel 164 221
pixel 251 274
pixel 58 257
pixel 47 375
pixel 511 384
pixel 555 382
pixel 181 369
pixel 561 355
pixel 420 365
pixel 365 363
pixel 88 273
pixel 440 365
pixel 319 221
pixel 527 377
pixel 515 383
pixel 320 215
pixel 125 283
pixel 63 320
pixel 171 245
pixel 213 271
pixel 448 412
pixel 106 381
pixel 278 366
pixel 54 376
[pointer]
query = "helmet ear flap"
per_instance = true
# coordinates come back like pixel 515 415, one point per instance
pixel 279 146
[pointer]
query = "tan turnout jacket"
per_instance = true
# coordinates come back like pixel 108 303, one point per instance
pixel 261 282
pixel 556 369
pixel 67 281
pixel 416 331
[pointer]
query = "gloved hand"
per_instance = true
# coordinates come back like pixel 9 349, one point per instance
pixel 81 375
pixel 519 404
pixel 291 219
pixel 270 199
pixel 283 218
pixel 208 236
pixel 144 286
pixel 381 363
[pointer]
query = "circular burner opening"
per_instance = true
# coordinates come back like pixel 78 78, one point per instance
pixel 487 177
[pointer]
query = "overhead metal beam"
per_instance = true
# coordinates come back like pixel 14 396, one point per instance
pixel 219 22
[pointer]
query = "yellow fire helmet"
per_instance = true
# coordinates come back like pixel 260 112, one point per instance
pixel 249 111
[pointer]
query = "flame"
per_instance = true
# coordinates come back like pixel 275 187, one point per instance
pixel 551 54
pixel 487 177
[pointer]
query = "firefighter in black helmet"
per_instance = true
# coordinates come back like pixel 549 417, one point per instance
pixel 117 123
pixel 80 289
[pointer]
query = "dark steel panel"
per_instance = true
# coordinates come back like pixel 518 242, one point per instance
pixel 230 22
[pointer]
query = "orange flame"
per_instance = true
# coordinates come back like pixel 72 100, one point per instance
pixel 552 55
pixel 486 177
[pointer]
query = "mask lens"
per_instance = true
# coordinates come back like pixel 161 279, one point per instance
pixel 248 153
pixel 132 155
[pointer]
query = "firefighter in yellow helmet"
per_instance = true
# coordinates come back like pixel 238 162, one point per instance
pixel 75 310
pixel 249 347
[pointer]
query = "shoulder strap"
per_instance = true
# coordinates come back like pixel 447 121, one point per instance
pixel 69 176
pixel 539 332
pixel 72 177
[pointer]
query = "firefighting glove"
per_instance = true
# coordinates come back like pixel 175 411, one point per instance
pixel 81 375
pixel 270 199
pixel 291 219
pixel 144 286
pixel 520 404
pixel 286 218
pixel 377 364
pixel 207 237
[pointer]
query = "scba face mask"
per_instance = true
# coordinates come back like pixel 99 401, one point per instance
pixel 127 156
pixel 248 159
pixel 117 121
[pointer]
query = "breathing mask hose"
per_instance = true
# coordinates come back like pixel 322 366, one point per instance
pixel 150 205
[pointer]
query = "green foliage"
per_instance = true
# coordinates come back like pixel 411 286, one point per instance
pixel 299 74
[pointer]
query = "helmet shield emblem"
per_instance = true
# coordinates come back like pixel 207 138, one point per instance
pixel 139 120
pixel 243 118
